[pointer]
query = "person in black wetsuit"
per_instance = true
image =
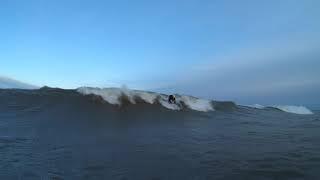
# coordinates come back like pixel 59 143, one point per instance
pixel 171 99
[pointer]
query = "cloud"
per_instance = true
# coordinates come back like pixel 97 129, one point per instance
pixel 8 83
pixel 255 73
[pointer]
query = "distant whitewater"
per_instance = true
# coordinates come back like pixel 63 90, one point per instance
pixel 285 108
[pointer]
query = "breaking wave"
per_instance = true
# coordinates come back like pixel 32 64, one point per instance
pixel 285 108
pixel 117 96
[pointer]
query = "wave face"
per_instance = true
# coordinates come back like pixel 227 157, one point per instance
pixel 285 108
pixel 118 96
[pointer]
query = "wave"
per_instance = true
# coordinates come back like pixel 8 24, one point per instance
pixel 256 106
pixel 118 96
pixel 120 99
pixel 285 108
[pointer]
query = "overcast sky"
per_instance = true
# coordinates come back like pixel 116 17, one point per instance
pixel 248 51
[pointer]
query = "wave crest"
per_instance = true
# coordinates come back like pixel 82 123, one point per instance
pixel 115 95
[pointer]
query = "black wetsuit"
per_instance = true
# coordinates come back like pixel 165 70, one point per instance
pixel 172 99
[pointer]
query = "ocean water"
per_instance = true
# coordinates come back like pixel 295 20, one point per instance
pixel 64 134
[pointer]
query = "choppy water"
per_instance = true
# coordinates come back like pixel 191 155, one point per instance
pixel 59 134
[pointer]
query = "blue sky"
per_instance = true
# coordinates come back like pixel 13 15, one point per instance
pixel 237 50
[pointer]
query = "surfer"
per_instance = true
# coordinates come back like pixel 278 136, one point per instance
pixel 172 99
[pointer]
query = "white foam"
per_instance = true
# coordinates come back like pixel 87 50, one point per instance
pixel 112 96
pixel 257 106
pixel 294 109
pixel 197 104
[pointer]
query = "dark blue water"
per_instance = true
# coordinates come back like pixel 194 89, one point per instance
pixel 63 135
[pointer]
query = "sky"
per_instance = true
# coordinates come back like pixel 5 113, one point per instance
pixel 248 51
